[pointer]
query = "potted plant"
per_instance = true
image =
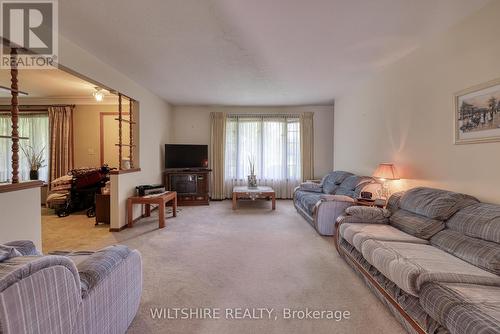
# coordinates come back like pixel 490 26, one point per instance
pixel 35 160
pixel 252 178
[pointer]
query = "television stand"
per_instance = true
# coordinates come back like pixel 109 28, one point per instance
pixel 191 185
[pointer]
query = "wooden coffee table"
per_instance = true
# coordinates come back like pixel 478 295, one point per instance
pixel 160 200
pixel 262 192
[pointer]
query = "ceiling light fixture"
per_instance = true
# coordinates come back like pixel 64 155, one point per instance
pixel 98 94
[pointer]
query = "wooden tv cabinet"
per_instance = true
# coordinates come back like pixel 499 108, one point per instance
pixel 191 185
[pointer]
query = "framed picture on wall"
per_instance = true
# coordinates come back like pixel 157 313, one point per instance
pixel 477 114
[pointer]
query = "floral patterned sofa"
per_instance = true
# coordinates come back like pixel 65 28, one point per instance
pixel 321 203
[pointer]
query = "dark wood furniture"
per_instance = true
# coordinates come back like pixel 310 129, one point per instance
pixel 161 200
pixel 191 185
pixel 102 209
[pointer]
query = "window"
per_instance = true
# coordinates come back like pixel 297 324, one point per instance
pixel 272 142
pixel 35 126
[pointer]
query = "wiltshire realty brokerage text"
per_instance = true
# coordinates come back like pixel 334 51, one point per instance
pixel 257 313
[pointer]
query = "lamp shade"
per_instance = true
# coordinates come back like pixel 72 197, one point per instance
pixel 386 171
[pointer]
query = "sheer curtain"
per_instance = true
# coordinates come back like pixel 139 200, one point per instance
pixel 36 128
pixel 272 142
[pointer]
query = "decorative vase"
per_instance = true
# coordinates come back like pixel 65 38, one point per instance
pixel 33 174
pixel 252 181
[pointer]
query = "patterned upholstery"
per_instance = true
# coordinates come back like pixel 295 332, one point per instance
pixel 463 308
pixel 416 225
pixel 406 301
pixel 112 304
pixel 306 200
pixel 7 252
pixel 434 203
pixel 339 191
pixel 97 267
pixel 18 268
pixel 412 265
pixel 455 278
pixel 311 186
pixel 43 294
pixel 479 220
pixel 481 253
pixel 356 234
pixel 25 247
pixel 365 214
pixel 353 185
pixel 331 181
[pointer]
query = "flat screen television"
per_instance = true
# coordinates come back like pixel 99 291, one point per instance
pixel 186 156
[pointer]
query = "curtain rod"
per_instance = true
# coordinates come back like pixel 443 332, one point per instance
pixel 265 115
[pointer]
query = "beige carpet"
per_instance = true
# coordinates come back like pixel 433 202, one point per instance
pixel 213 257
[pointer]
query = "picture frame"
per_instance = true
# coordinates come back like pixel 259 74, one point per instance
pixel 477 114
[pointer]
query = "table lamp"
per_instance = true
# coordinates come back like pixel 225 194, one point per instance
pixel 386 172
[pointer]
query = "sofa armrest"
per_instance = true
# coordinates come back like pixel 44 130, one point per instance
pixel 99 265
pixel 43 288
pixel 337 198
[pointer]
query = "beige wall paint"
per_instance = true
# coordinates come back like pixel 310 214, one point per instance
pixel 405 113
pixel 86 129
pixel 191 125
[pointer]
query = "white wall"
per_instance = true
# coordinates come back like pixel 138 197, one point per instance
pixel 154 121
pixel 191 125
pixel 405 113
pixel 20 216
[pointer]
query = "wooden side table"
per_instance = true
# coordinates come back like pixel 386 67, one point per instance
pixel 161 200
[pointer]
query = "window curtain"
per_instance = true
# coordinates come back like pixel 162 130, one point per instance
pixel 272 142
pixel 307 145
pixel 217 153
pixel 34 126
pixel 61 140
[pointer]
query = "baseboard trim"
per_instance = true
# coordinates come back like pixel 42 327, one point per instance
pixel 133 221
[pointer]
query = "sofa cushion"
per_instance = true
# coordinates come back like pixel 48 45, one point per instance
pixel 434 203
pixel 479 220
pixel 393 201
pixel 331 181
pixel 306 200
pixel 416 225
pixel 463 308
pixel 481 253
pixel 311 186
pixel 7 252
pixel 356 234
pixel 25 247
pixel 353 185
pixel 412 265
pixel 367 214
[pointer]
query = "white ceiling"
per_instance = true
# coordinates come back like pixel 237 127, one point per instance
pixel 52 83
pixel 254 52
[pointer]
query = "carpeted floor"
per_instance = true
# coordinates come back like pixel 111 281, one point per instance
pixel 213 257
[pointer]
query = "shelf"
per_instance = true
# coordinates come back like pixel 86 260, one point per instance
pixel 13 137
pixel 124 120
pixel 125 145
